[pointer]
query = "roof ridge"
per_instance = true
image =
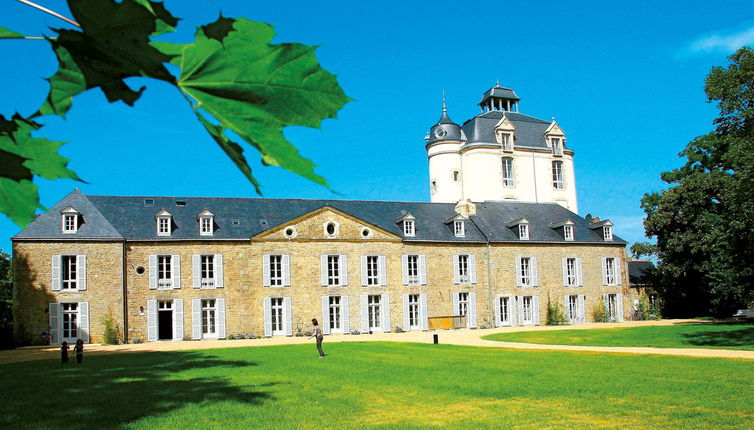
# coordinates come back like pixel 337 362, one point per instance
pixel 269 198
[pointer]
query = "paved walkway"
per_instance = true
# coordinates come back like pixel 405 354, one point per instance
pixel 453 337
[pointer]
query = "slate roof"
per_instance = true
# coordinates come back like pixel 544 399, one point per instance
pixel 529 133
pixel 499 92
pixel 118 217
pixel 638 271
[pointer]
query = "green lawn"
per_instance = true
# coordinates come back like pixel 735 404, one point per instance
pixel 378 385
pixel 718 336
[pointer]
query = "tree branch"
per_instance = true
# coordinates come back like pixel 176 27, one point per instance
pixel 51 12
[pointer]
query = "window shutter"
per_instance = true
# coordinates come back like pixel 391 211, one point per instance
pixel 581 315
pixel 219 271
pixel 606 299
pixel 176 262
pixel 343 262
pixel 472 309
pixel 267 317
pixel 564 262
pixel 323 269
pixel 196 319
pixel 385 304
pixel 535 310
pixel 364 314
pixel 287 317
pixel 456 311
pixel 404 268
pixel 363 270
pixel 472 268
pixel 152 272
pixel 423 312
pixel 619 307
pixel 196 271
pixel 512 311
pixel 604 271
pixel 54 324
pixel 81 274
pixel 498 322
pixel 152 320
pixel 520 300
pixel 423 270
pixel 519 273
pixel 325 314
pixel 567 310
pixel 382 264
pixel 534 275
pixel 286 261
pixel 579 273
pixel 344 309
pixel 617 268
pixel 56 275
pixel 406 320
pixel 221 318
pixel 456 270
pixel 177 319
pixel 266 271
pixel 83 309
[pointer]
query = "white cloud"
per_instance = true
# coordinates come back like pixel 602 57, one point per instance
pixel 724 41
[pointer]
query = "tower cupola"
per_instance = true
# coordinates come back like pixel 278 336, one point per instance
pixel 500 99
pixel 445 129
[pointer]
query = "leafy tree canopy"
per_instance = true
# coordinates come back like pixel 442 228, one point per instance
pixel 704 222
pixel 233 78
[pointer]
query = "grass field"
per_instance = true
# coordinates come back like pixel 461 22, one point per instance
pixel 717 336
pixel 378 385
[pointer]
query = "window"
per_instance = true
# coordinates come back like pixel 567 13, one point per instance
pixel 276 270
pixel 408 228
pixel 70 272
pixel 463 269
pixel 507 140
pixel 459 228
pixel 557 175
pixel 413 312
pixel 70 314
pixel 463 304
pixel 149 203
pixel 331 229
pixel 163 226
pixel 334 313
pixel 568 232
pixel 504 311
pixel 333 270
pixel 569 272
pixel 412 269
pixel 165 271
pixel 276 315
pixel 526 271
pixel 70 223
pixel 607 232
pixel 209 318
pixel 433 186
pixel 206 226
pixel 207 271
pixel 373 270
pixel 374 307
pixel 456 175
pixel 557 147
pixel 528 314
pixel 611 271
pixel 614 306
pixel 523 231
pixel 573 309
pixel 508 172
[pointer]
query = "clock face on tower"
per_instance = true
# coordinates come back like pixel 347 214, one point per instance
pixel 440 133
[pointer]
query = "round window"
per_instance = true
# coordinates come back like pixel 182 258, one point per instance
pixel 290 232
pixel 365 232
pixel 330 229
pixel 140 270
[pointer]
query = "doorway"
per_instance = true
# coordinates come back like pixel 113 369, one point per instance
pixel 165 320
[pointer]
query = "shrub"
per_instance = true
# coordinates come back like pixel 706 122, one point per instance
pixel 250 336
pixel 355 332
pixel 109 330
pixel 230 337
pixel 599 313
pixel 307 333
pixel 399 330
pixel 555 315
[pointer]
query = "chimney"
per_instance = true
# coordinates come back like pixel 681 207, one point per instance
pixel 466 208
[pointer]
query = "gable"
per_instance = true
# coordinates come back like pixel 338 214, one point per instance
pixel 313 226
pixel 554 129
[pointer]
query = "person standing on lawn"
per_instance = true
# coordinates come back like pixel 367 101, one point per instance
pixel 79 348
pixel 64 352
pixel 317 333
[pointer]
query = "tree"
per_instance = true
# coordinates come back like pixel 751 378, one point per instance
pixel 704 221
pixel 6 300
pixel 235 81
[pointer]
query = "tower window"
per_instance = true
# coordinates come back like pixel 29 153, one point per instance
pixel 508 172
pixel 507 141
pixel 557 175
pixel 456 175
pixel 433 186
pixel 557 146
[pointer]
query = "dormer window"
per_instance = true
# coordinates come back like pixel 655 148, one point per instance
pixel 459 228
pixel 521 228
pixel 507 141
pixel 568 232
pixel 523 231
pixel 567 226
pixel 70 220
pixel 164 223
pixel 607 232
pixel 409 229
pixel 557 145
pixel 206 223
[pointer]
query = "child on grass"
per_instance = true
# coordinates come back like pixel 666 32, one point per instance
pixel 64 352
pixel 79 348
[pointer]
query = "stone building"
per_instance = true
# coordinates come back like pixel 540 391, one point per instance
pixel 171 268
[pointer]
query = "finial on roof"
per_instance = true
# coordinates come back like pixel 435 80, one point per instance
pixel 444 107
pixel 553 119
pixel 497 82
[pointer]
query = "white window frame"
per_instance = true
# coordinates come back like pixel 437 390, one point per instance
pixel 206 226
pixel 276 270
pixel 372 270
pixel 464 275
pixel 209 308
pixel 557 175
pixel 523 231
pixel 611 275
pixel 570 274
pixel 414 312
pixel 207 266
pixel 374 312
pixel 277 303
pixel 412 269
pixel 73 225
pixel 409 228
pixel 557 145
pixel 463 303
pixel 71 268
pixel 607 232
pixel 572 308
pixel 506 140
pixel 524 271
pixel 336 228
pixel 507 172
pixel 528 310
pixel 568 232
pixel 73 319
pixel 459 228
pixel 165 266
pixel 164 221
pixel 335 314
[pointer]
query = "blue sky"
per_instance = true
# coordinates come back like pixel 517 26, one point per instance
pixel 624 80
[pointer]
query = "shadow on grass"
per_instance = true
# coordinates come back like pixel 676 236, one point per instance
pixel 740 337
pixel 110 391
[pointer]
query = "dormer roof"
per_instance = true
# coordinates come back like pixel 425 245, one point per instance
pixel 405 216
pixel 561 223
pixel 205 213
pixel 595 225
pixel 163 213
pixel 69 210
pixel 517 221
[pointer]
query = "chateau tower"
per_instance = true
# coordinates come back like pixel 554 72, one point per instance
pixel 500 154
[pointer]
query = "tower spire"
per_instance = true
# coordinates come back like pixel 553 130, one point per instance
pixel 444 119
pixel 444 107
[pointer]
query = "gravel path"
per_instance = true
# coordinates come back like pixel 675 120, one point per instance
pixel 454 337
